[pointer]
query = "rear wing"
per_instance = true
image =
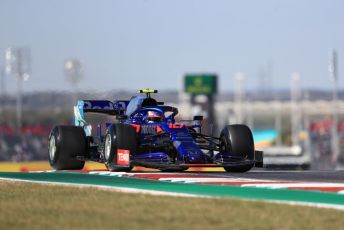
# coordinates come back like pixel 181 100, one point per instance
pixel 100 106
pixel 97 106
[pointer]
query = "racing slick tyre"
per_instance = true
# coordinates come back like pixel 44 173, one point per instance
pixel 65 143
pixel 238 139
pixel 120 142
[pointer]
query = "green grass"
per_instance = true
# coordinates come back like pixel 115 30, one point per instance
pixel 35 206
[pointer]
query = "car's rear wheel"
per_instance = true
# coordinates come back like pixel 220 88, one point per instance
pixel 65 143
pixel 238 139
pixel 120 142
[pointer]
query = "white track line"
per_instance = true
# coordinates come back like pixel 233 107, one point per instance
pixel 113 188
pixel 255 182
pixel 44 171
pixel 206 179
pixel 149 192
pixel 295 185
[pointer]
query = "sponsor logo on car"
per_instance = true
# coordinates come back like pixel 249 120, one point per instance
pixel 123 157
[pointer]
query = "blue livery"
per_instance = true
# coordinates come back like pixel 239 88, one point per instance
pixel 148 134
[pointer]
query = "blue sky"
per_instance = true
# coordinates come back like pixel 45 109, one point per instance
pixel 134 44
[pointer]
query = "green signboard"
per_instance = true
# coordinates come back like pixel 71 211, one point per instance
pixel 200 83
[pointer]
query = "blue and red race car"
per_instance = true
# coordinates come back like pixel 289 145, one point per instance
pixel 147 134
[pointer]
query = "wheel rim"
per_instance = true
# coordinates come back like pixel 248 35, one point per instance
pixel 107 147
pixel 52 147
pixel 223 144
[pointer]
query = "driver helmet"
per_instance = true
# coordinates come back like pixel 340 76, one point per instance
pixel 153 116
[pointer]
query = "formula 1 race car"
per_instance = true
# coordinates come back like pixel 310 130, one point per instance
pixel 147 134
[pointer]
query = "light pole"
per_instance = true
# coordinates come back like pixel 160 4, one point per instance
pixel 295 108
pixel 249 112
pixel 332 68
pixel 3 90
pixel 306 124
pixel 18 65
pixel 74 73
pixel 278 122
pixel 239 96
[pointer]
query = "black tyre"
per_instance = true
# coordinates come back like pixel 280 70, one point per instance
pixel 119 136
pixel 238 139
pixel 65 143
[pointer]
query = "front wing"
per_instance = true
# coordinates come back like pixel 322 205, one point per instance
pixel 161 160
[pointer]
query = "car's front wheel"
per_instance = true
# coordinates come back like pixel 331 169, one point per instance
pixel 119 144
pixel 238 139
